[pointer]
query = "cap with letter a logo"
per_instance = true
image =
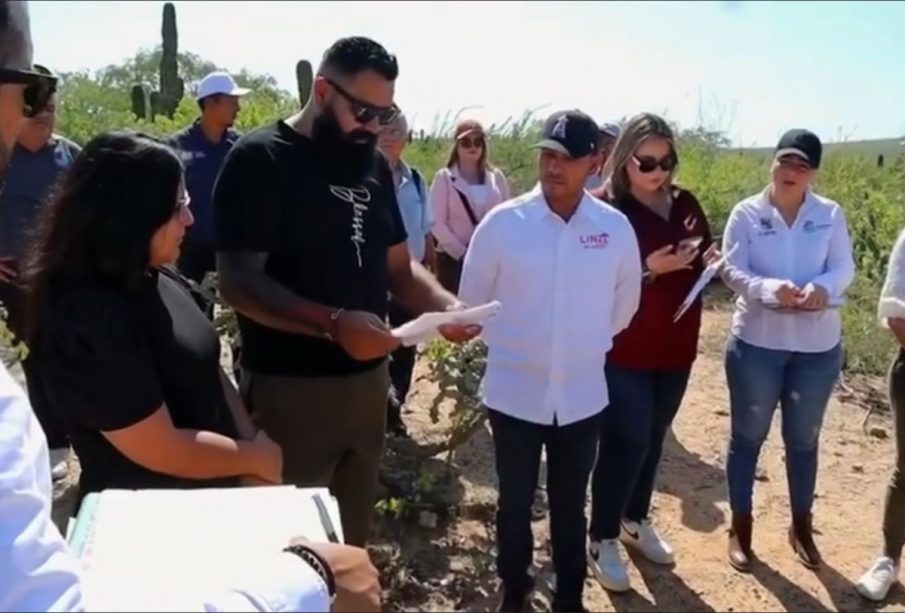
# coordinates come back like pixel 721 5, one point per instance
pixel 570 132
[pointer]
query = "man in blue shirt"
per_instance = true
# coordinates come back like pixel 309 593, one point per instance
pixel 203 147
pixel 39 157
pixel 411 195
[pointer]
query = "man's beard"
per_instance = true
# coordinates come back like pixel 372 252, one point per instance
pixel 342 157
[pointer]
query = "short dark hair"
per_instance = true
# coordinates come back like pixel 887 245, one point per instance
pixel 349 56
pixel 120 190
pixel 203 101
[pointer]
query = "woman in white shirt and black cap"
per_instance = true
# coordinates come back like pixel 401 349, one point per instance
pixel 790 262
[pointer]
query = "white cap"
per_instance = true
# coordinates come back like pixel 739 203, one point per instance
pixel 219 83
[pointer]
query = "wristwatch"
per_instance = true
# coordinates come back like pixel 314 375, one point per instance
pixel 316 562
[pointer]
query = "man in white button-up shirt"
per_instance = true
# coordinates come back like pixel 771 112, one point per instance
pixel 37 570
pixel 567 270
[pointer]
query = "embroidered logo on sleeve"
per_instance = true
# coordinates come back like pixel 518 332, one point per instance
pixel 358 197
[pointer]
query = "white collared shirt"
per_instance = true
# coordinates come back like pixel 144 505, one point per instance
pixel 815 249
pixel 892 296
pixel 37 570
pixel 566 288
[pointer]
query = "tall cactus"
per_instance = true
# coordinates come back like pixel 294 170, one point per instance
pixel 304 78
pixel 172 87
pixel 166 100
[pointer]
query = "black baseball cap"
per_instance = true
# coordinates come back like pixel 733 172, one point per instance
pixel 801 143
pixel 570 132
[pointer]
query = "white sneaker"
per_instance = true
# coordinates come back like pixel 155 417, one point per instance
pixel 606 562
pixel 875 583
pixel 59 463
pixel 645 539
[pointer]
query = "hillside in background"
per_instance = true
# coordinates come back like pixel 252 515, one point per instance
pixel 889 148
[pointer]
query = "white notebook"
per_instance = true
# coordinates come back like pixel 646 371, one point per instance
pixel 153 550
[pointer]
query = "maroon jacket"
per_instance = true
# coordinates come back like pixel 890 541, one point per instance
pixel 652 341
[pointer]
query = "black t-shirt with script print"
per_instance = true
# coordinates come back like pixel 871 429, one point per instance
pixel 325 241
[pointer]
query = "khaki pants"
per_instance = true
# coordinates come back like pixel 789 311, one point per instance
pixel 331 431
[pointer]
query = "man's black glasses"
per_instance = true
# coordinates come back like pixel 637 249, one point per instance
pixel 365 112
pixel 39 88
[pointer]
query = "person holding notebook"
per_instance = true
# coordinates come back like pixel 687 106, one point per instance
pixel 37 570
pixel 789 260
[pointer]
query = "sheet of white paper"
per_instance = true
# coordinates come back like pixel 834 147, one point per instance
pixel 833 303
pixel 425 327
pixel 706 277
pixel 156 550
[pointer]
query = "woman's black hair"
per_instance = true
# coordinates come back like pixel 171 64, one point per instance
pixel 98 226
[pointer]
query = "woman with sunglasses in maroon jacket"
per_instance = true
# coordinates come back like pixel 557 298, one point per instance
pixel 649 365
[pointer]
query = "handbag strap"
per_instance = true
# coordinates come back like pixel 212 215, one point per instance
pixel 468 209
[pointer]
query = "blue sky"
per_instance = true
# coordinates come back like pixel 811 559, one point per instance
pixel 753 69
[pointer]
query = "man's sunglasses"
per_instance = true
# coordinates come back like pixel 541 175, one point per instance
pixel 468 143
pixel 39 88
pixel 648 163
pixel 365 112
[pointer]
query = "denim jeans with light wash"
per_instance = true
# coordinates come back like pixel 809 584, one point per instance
pixel 801 384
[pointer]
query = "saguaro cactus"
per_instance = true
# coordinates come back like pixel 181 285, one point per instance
pixel 166 100
pixel 304 77
pixel 172 87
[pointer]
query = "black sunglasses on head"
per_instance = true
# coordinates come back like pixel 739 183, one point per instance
pixel 647 163
pixel 365 112
pixel 39 88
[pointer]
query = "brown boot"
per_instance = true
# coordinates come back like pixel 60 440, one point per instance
pixel 740 554
pixel 801 537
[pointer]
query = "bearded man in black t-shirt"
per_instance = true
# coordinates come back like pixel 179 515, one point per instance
pixel 310 244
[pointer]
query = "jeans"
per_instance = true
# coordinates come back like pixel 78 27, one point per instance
pixel 643 405
pixel 402 364
pixel 894 511
pixel 759 380
pixel 570 456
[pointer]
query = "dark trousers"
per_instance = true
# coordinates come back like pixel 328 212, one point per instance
pixel 642 406
pixel 449 271
pixel 894 512
pixel 402 364
pixel 570 456
pixel 13 300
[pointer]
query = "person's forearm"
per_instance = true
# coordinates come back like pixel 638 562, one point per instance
pixel 245 429
pixel 198 454
pixel 258 297
pixel 897 327
pixel 419 292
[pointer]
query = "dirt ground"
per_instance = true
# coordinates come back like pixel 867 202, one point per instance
pixel 451 567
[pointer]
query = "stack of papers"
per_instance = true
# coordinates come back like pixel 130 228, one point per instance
pixel 425 328
pixel 150 550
